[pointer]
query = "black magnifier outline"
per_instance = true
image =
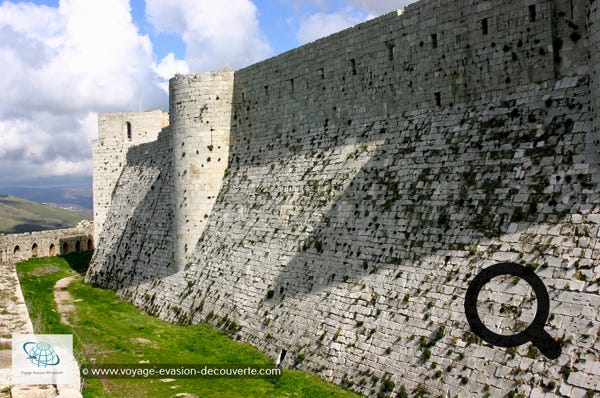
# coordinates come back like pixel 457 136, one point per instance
pixel 534 332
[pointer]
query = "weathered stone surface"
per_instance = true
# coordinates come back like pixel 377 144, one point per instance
pixel 18 247
pixel 370 176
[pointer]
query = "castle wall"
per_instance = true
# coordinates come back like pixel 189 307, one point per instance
pixel 594 29
pixel 200 112
pixel 137 246
pixel 371 175
pixel 19 247
pixel 117 132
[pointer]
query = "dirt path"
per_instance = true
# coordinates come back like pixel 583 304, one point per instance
pixel 65 306
pixel 63 299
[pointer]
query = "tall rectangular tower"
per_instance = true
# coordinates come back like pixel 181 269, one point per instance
pixel 117 132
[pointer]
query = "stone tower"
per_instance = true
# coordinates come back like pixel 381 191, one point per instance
pixel 200 117
pixel 117 132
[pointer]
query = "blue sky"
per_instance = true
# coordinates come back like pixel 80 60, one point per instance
pixel 66 61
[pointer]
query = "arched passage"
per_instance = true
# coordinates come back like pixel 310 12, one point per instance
pixel 17 251
pixel 77 247
pixel 65 248
pixel 52 250
pixel 90 244
pixel 34 250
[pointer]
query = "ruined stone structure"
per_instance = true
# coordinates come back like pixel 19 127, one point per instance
pixel 331 205
pixel 19 247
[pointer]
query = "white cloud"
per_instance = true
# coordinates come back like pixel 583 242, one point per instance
pixel 321 25
pixel 60 66
pixel 169 67
pixel 44 144
pixel 314 25
pixel 216 34
pixel 379 7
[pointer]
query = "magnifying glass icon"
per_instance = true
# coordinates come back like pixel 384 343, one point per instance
pixel 534 332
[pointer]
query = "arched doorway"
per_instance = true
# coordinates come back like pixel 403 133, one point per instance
pixel 34 250
pixel 17 251
pixel 65 248
pixel 77 247
pixel 90 245
pixel 52 250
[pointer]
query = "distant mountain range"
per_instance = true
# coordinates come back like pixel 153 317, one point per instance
pixel 73 197
pixel 20 215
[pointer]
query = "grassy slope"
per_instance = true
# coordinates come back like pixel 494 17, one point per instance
pixel 112 331
pixel 21 215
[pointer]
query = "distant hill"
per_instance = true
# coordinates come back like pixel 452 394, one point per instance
pixel 74 196
pixel 20 215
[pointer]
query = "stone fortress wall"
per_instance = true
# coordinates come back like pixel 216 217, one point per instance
pixel 368 177
pixel 118 132
pixel 19 247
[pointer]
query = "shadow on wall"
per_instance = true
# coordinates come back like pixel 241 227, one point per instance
pixel 474 185
pixel 79 262
pixel 136 245
pixel 430 190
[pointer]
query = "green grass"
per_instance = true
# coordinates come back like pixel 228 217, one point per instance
pixel 20 215
pixel 112 331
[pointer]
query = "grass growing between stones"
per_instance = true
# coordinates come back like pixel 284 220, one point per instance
pixel 108 330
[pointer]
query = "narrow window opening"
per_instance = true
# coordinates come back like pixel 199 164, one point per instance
pixel 281 357
pixel 90 245
pixel 17 250
pixel 434 41
pixel 484 26
pixel 572 10
pixel 34 250
pixel 65 248
pixel 532 13
pixel 128 127
pixel 322 73
pixel 292 85
pixel 353 66
pixel 391 50
pixel 438 99
pixel 77 247
pixel 266 90
pixel 52 250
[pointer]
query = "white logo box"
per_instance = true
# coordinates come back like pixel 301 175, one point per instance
pixel 42 359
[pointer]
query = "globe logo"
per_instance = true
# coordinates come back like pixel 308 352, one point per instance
pixel 41 354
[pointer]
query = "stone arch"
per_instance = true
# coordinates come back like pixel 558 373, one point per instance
pixel 17 251
pixel 52 250
pixel 34 250
pixel 78 247
pixel 65 248
pixel 128 130
pixel 90 244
